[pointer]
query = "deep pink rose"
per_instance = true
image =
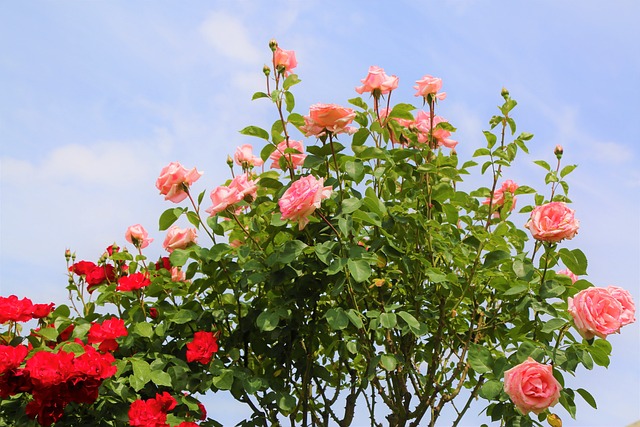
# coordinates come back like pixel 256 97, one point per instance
pixel 377 82
pixel 302 199
pixel 244 156
pixel 440 135
pixel 429 85
pixel 553 222
pixel 295 155
pixel 138 236
pixel 284 60
pixel 328 118
pixel 202 348
pixel 531 386
pixel 246 188
pixel 179 238
pixel 568 273
pixel 628 307
pixel 596 312
pixel 222 197
pixel 174 181
pixel 498 196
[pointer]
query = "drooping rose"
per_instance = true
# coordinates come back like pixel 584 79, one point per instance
pixel 324 118
pixel 531 386
pixel 16 310
pixel 202 347
pixel 429 86
pixel 133 282
pixel 498 196
pixel 628 306
pixel 553 222
pixel 137 236
pixel 174 181
pixel 244 156
pixel 596 312
pixel 377 82
pixel 179 238
pixel 284 60
pixel 245 186
pixel 222 197
pixel 295 159
pixel 302 199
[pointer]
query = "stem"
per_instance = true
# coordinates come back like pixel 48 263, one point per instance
pixel 335 163
pixel 197 210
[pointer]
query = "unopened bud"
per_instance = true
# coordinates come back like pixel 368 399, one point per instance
pixel 229 161
pixel 266 70
pixel 273 45
pixel 558 151
pixel 504 92
pixel 67 254
pixel 554 420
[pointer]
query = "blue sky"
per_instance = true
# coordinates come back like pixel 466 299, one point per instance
pixel 98 96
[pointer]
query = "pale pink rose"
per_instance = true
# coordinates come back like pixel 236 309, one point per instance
pixel 179 238
pixel 553 222
pixel 429 85
pixel 295 159
pixel 235 243
pixel 596 312
pixel 285 60
pixel 424 127
pixel 138 236
pixel 222 197
pixel 628 307
pixel 302 199
pixel 328 117
pixel 569 273
pixel 498 196
pixel 244 186
pixel 174 181
pixel 378 82
pixel 531 386
pixel 244 156
pixel 177 275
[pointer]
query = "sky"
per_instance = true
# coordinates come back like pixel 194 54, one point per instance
pixel 96 97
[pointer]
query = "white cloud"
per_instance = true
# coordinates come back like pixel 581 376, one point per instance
pixel 229 37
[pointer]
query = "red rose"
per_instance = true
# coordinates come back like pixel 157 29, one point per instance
pixel 14 310
pixel 100 275
pixel 42 310
pixel 106 334
pixel 82 268
pixel 151 412
pixel 133 282
pixel 202 348
pixel 11 357
pixel 163 262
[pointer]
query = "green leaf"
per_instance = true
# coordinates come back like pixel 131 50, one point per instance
pixel 292 79
pixel 286 402
pixel 491 389
pixel 553 324
pixel 358 102
pixel 291 251
pixel 255 131
pixel 354 317
pixel 491 140
pixel 480 359
pixel 161 378
pixel 360 137
pixel 141 374
pixel 259 95
pixel 224 381
pixel 551 289
pixel 600 352
pixel 355 170
pixel 388 362
pixel 268 320
pixel 496 257
pixel 567 170
pixel 179 257
pixel 359 269
pixel 289 101
pixel 543 164
pixel 388 320
pixel 169 216
pixel 575 260
pixel 337 318
pixel 183 316
pixel 411 321
pixel 402 111
pixel 143 329
pixel 516 290
pixel 351 205
pixel 587 397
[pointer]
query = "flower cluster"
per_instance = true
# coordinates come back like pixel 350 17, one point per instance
pixel 153 412
pixel 13 309
pixel 601 311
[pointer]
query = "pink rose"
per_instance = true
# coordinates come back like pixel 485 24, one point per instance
pixel 244 156
pixel 174 181
pixel 498 196
pixel 531 386
pixel 377 82
pixel 222 197
pixel 138 236
pixel 596 312
pixel 553 222
pixel 244 186
pixel 569 273
pixel 302 199
pixel 328 118
pixel 628 307
pixel 177 275
pixel 429 85
pixel 440 135
pixel 284 60
pixel 294 159
pixel 179 238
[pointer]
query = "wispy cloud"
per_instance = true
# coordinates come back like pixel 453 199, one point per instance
pixel 230 37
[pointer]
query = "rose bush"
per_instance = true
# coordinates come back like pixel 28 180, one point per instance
pixel 359 281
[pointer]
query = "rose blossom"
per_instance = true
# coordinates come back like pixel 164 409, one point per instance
pixel 531 386
pixel 294 159
pixel 244 156
pixel 377 82
pixel 13 309
pixel 202 348
pixel 133 282
pixel 222 197
pixel 568 273
pixel 328 117
pixel 151 412
pixel 137 236
pixel 628 307
pixel 179 238
pixel 11 357
pixel 284 60
pixel 174 181
pixel 596 312
pixel 244 186
pixel 105 334
pixel 302 199
pixel 553 222
pixel 498 196
pixel 177 275
pixel 429 85
pixel 440 135
pixel 99 275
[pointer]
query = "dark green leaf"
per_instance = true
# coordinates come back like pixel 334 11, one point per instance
pixel 169 216
pixel 480 359
pixel 359 269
